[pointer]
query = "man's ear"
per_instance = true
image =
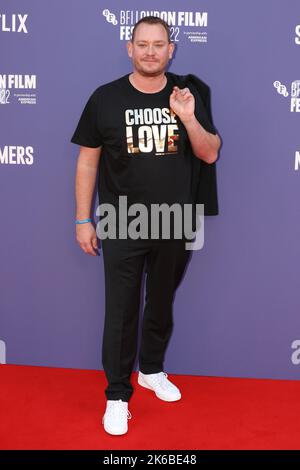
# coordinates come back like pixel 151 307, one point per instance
pixel 171 49
pixel 129 47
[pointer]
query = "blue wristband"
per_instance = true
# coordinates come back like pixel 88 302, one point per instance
pixel 83 221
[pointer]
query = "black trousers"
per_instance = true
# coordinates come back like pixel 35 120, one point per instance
pixel 123 268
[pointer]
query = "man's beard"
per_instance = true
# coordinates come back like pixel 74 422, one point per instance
pixel 149 73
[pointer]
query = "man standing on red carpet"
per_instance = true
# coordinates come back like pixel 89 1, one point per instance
pixel 143 126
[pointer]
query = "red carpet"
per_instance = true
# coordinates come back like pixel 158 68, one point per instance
pixel 52 408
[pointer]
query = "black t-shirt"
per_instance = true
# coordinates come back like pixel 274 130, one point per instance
pixel 144 144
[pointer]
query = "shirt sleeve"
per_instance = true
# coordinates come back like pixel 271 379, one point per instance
pixel 87 131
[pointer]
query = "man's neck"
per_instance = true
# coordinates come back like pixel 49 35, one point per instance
pixel 150 84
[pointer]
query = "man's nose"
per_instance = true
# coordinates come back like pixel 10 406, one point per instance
pixel 150 50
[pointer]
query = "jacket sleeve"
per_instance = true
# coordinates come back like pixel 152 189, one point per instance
pixel 204 181
pixel 207 104
pixel 203 106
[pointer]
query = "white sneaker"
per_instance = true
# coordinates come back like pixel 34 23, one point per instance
pixel 163 388
pixel 116 416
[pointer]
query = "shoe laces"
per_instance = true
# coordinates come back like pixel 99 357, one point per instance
pixel 115 408
pixel 161 379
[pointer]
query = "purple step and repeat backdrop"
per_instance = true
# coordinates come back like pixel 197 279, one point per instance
pixel 236 311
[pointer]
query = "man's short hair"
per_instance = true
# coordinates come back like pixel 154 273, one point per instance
pixel 151 20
